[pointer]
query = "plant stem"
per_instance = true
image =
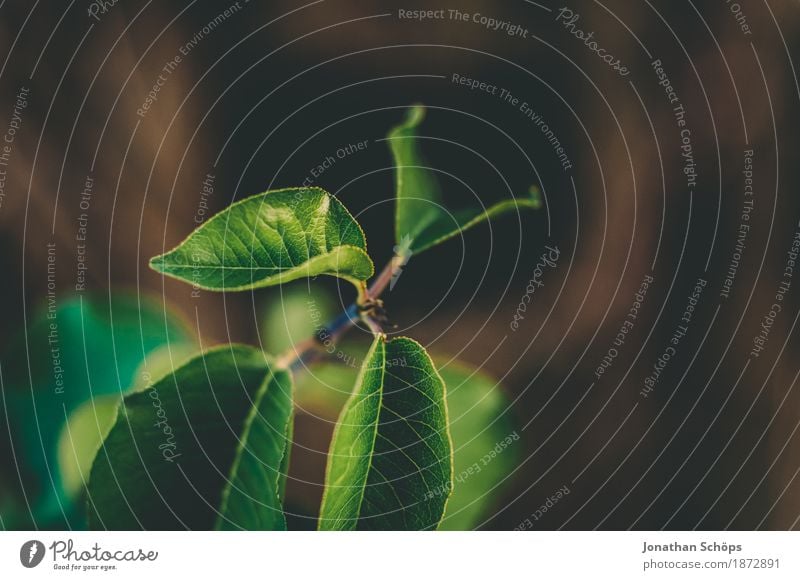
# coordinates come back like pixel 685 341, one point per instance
pixel 382 281
pixel 309 350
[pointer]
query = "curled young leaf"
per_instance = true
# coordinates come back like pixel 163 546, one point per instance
pixel 271 238
pixel 390 461
pixel 421 219
pixel 204 447
pixel 419 198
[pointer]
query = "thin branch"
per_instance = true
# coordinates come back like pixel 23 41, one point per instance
pixel 309 350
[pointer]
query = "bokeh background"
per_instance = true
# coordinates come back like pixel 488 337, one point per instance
pixel 277 87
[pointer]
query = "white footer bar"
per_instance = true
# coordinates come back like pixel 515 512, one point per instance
pixel 418 556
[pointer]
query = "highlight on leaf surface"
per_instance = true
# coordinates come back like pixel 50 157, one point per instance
pixel 204 447
pixel 271 238
pixel 390 461
pixel 420 214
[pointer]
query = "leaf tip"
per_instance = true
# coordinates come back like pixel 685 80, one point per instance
pixel 415 114
pixel 158 263
pixel 535 196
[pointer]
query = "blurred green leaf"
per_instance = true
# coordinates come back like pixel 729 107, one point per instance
pixel 300 312
pixel 421 220
pixel 80 439
pixel 485 444
pixel 89 424
pixel 202 448
pixel 323 389
pixel 162 361
pixel 391 450
pixel 271 238
pixel 72 351
pixel 297 313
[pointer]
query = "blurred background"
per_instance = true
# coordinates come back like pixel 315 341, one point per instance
pixel 98 179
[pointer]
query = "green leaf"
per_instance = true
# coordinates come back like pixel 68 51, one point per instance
pixel 202 448
pixel 271 238
pixel 421 220
pixel 391 450
pixel 283 474
pixel 81 437
pixel 73 350
pixel 486 449
pixel 485 444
